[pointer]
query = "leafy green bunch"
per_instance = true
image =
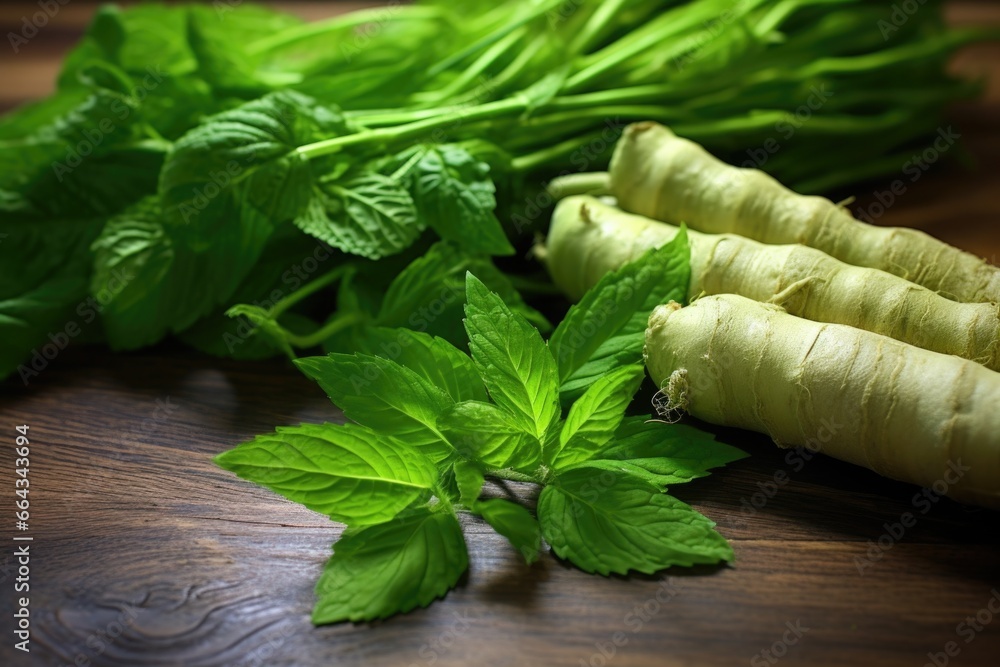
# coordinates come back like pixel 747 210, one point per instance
pixel 193 155
pixel 432 424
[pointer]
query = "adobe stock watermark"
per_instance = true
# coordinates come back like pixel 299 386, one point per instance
pixel 900 15
pixel 99 641
pixel 819 95
pixel 162 411
pixel 709 33
pixel 634 621
pixel 922 502
pixel 582 159
pixel 94 136
pixel 443 642
pixel 796 459
pixel 30 25
pixel 87 312
pixel 779 649
pixel 967 631
pixel 914 168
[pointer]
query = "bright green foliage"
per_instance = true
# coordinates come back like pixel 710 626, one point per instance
pixel 391 568
pixel 612 522
pixel 374 133
pixel 431 443
pixel 512 359
pixel 606 329
pixel 350 473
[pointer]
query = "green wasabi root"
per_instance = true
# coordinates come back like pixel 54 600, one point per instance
pixel 906 413
pixel 587 239
pixel 659 175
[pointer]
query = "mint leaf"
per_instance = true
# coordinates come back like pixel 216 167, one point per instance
pixel 611 523
pixel 515 523
pixel 349 473
pixel 663 454
pixel 229 181
pixel 391 568
pixel 487 433
pixel 606 329
pixel 594 417
pixel 383 395
pixel 429 294
pixel 434 359
pixel 369 215
pixel 44 271
pixel 512 359
pixel 455 196
pixel 469 479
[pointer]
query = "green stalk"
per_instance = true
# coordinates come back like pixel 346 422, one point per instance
pixel 348 21
pixel 336 325
pixel 310 288
pixel 491 110
pixel 475 69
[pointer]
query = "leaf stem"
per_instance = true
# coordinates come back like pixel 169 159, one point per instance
pixel 310 288
pixel 339 322
pixel 499 109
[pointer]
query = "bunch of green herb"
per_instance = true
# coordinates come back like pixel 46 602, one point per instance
pixel 193 156
pixel 431 424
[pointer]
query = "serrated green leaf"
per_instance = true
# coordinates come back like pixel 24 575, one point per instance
pixel 610 522
pixel 232 178
pixel 435 359
pixel 369 215
pixel 383 395
pixel 515 523
pixel 429 294
pixel 663 454
pixel 455 196
pixel 347 472
pixel 512 359
pixel 490 434
pixel 391 568
pixel 595 416
pixel 606 329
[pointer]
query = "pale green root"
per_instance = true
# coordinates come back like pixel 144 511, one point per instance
pixel 906 413
pixel 659 175
pixel 587 239
pixel 586 183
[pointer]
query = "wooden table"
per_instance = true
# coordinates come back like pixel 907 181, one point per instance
pixel 144 553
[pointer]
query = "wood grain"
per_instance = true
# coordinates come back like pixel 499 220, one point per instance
pixel 145 553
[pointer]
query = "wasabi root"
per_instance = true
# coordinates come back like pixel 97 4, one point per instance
pixel 906 413
pixel 659 175
pixel 588 239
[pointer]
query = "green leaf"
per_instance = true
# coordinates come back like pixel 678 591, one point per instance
pixel 469 479
pixel 385 396
pixel 369 215
pixel 44 273
pixel 606 329
pixel 222 62
pixel 455 196
pixel 349 473
pixel 512 359
pixel 663 454
pixel 429 294
pixel 487 433
pixel 242 165
pixel 515 523
pixel 612 522
pixel 391 568
pixel 595 416
pixel 434 359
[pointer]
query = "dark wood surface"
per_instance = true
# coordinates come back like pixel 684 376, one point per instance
pixel 144 553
